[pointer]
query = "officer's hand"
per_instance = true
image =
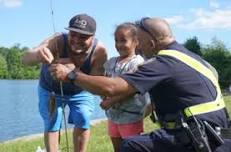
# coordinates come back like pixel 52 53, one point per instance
pixel 44 55
pixel 59 72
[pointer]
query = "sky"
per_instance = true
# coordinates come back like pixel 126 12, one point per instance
pixel 29 22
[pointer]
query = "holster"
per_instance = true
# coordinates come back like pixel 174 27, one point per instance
pixel 196 132
pixel 213 134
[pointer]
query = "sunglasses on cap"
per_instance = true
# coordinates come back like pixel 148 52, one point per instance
pixel 141 25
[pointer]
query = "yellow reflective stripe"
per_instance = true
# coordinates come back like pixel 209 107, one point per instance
pixel 167 125
pixel 204 108
pixel 193 63
pixel 158 124
pixel 170 125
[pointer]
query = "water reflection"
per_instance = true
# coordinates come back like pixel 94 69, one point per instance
pixel 19 114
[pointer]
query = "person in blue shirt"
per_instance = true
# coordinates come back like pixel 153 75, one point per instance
pixel 187 96
pixel 76 49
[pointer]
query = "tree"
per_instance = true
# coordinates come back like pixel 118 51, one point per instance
pixel 193 45
pixel 4 51
pixel 11 62
pixel 14 64
pixel 3 68
pixel 220 57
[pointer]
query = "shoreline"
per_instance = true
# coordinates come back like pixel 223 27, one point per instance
pixel 40 135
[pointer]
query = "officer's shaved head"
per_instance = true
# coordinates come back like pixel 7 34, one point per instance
pixel 160 30
pixel 154 35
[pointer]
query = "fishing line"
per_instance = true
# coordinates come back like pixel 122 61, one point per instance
pixel 52 16
pixel 61 83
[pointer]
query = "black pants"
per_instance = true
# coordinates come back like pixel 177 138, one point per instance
pixel 162 141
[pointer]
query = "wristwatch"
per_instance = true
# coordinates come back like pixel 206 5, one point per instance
pixel 72 76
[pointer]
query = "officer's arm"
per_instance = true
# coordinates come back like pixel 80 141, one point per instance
pixel 105 86
pixel 101 85
pixel 98 60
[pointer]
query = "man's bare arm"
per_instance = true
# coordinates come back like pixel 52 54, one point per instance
pixel 46 52
pixel 100 57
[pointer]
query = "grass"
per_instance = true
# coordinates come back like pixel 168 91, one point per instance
pixel 99 141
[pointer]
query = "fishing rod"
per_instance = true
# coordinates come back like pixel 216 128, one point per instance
pixel 60 82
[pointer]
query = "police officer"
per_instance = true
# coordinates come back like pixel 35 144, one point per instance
pixel 183 86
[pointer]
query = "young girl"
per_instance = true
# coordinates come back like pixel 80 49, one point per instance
pixel 125 115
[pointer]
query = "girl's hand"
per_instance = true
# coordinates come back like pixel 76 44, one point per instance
pixel 106 104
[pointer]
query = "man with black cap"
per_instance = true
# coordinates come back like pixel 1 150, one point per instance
pixel 79 49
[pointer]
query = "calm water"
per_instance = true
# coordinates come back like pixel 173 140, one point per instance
pixel 19 114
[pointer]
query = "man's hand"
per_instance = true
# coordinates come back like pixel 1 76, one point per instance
pixel 59 72
pixel 44 55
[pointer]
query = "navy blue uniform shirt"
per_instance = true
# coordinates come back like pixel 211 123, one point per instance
pixel 173 85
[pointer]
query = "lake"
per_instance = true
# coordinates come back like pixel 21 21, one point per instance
pixel 19 114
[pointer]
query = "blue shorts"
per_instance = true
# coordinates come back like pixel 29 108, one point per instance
pixel 81 107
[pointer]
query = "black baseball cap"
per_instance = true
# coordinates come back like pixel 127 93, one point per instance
pixel 82 23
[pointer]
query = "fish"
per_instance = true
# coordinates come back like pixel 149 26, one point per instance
pixel 52 104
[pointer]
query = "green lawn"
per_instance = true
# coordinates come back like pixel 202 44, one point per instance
pixel 99 141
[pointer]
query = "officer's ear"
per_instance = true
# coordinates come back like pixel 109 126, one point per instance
pixel 153 45
pixel 137 42
pixel 156 46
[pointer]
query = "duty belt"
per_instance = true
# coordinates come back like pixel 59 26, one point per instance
pixel 170 125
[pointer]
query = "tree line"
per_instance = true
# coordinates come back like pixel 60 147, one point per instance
pixel 216 53
pixel 11 66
